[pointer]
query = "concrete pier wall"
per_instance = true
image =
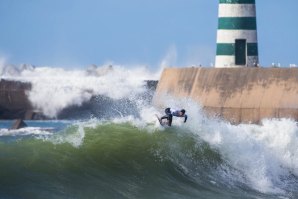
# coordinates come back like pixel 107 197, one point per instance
pixel 239 95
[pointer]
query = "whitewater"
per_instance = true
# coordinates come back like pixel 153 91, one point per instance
pixel 117 149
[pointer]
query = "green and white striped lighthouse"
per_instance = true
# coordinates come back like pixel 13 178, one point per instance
pixel 237 43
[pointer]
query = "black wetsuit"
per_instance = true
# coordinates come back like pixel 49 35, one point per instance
pixel 170 113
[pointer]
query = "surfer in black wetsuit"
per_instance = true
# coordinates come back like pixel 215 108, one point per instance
pixel 171 112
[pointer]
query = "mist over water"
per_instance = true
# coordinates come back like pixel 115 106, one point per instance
pixel 123 152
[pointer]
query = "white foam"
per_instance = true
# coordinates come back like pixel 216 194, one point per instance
pixel 73 135
pixel 78 138
pixel 25 131
pixel 265 153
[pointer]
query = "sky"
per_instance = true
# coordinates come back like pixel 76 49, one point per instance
pixel 79 33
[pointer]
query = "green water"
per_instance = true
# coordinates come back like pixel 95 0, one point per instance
pixel 116 161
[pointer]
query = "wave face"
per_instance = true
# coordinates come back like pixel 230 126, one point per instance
pixel 121 151
pixel 113 161
pixel 127 158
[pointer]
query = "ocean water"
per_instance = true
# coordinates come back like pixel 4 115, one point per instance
pixel 119 150
pixel 128 159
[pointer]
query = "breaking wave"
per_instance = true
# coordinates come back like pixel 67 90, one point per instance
pixel 129 157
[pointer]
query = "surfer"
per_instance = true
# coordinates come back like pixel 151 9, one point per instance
pixel 171 112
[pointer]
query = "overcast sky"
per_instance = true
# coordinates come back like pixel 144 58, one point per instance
pixel 78 33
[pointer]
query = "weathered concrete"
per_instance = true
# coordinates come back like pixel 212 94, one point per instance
pixel 239 95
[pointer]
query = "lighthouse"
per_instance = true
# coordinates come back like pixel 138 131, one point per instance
pixel 237 43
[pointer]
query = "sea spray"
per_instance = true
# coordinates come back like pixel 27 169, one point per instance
pixel 54 89
pixel 265 154
pixel 73 134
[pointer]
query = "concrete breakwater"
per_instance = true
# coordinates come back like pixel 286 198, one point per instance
pixel 239 95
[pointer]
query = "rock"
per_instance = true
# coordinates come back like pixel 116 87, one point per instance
pixel 18 124
pixel 14 102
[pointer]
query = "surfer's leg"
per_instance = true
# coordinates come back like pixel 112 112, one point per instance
pixel 170 118
pixel 164 117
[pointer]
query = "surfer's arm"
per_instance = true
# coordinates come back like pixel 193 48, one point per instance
pixel 185 118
